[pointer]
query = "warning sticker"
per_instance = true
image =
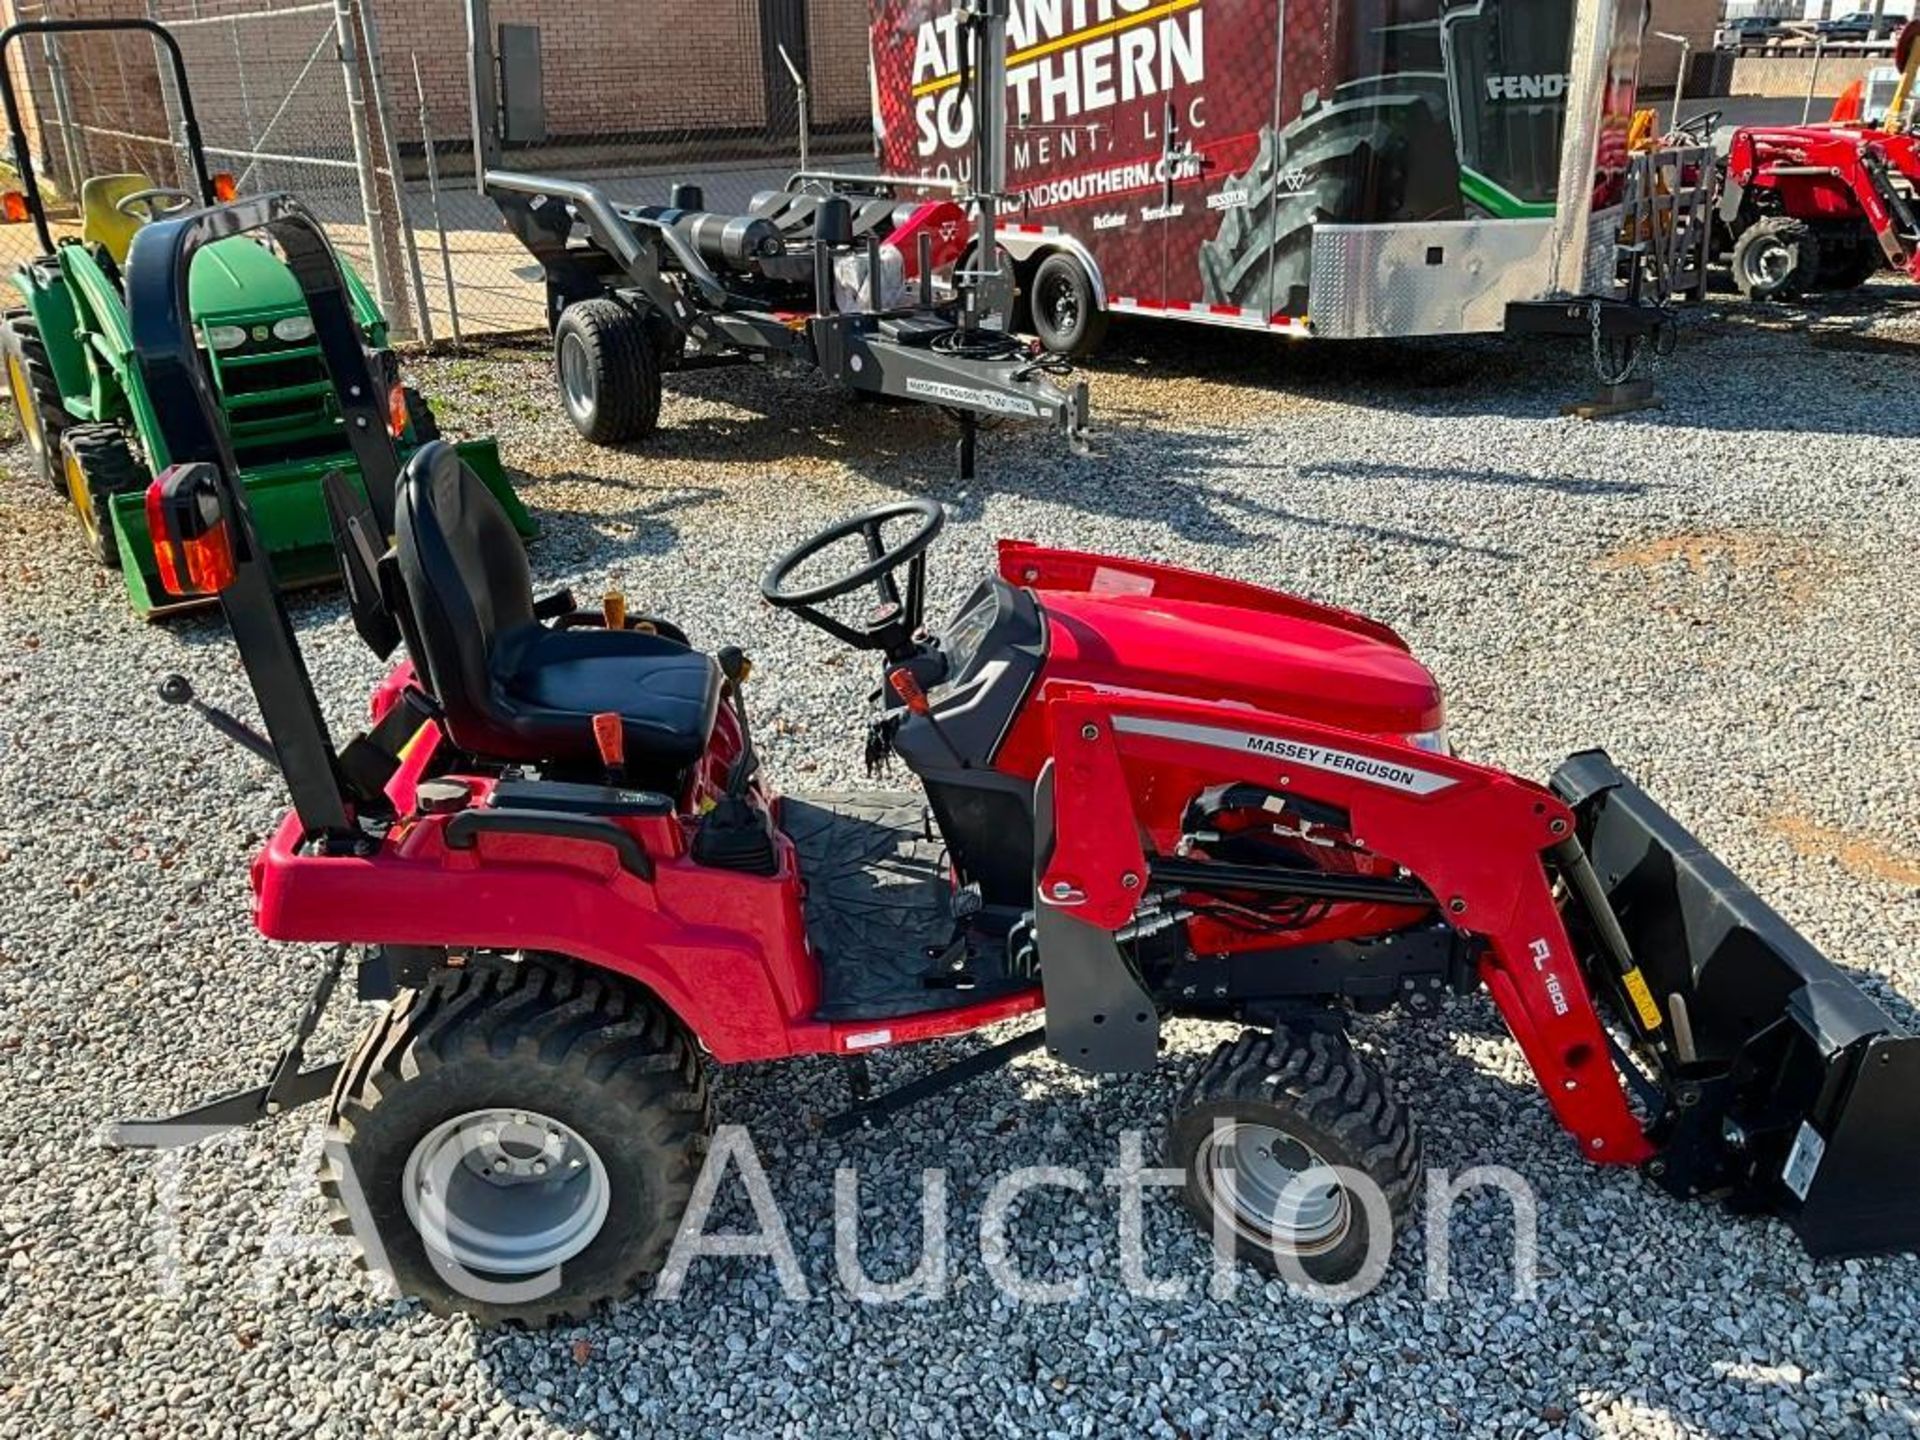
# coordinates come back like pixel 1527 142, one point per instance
pixel 1803 1161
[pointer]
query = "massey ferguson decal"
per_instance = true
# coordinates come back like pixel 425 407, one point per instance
pixel 1392 774
pixel 1192 146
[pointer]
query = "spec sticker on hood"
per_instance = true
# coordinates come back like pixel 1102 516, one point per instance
pixel 1391 773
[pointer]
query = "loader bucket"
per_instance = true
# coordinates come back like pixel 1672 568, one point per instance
pixel 289 514
pixel 1781 1085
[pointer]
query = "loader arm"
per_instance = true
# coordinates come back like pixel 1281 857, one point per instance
pixel 1476 838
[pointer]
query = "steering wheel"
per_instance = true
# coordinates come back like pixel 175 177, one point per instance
pixel 892 625
pixel 151 198
pixel 1700 127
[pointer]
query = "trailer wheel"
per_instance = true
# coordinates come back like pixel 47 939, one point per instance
pixel 1067 315
pixel 36 395
pixel 96 464
pixel 609 370
pixel 1265 1111
pixel 1774 259
pixel 518 1138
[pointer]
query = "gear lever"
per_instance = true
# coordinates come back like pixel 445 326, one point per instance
pixel 736 667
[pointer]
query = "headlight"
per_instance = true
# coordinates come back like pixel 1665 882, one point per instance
pixel 1431 740
pixel 293 328
pixel 226 337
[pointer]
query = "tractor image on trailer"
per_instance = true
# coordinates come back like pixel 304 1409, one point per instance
pixel 1341 168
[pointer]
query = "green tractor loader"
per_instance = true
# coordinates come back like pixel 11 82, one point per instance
pixel 84 411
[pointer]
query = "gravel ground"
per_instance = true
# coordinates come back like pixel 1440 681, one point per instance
pixel 1722 593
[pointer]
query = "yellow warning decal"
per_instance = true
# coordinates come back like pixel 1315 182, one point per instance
pixel 1642 998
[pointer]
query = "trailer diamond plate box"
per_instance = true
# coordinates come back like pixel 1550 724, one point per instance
pixel 1436 277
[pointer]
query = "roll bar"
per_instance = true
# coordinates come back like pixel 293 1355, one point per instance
pixel 17 132
pixel 176 371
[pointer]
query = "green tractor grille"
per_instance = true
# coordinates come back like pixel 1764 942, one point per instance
pixel 274 395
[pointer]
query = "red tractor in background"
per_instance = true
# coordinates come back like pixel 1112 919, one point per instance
pixel 1821 207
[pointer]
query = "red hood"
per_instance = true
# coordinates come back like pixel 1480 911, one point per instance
pixel 1316 669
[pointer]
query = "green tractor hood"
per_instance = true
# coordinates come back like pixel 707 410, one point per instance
pixel 240 277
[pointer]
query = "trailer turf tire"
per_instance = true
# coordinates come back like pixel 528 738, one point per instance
pixel 608 366
pixel 36 396
pixel 542 1120
pixel 1067 315
pixel 96 464
pixel 1774 259
pixel 421 420
pixel 1271 1106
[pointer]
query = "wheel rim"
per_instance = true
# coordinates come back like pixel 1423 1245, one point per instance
pixel 506 1192
pixel 1250 1172
pixel 81 496
pixel 1770 264
pixel 22 389
pixel 576 375
pixel 1062 306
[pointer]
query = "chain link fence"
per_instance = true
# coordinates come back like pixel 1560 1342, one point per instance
pixel 363 108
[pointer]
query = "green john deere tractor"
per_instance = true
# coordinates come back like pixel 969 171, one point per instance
pixel 85 413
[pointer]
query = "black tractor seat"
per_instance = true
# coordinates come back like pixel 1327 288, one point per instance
pixel 512 688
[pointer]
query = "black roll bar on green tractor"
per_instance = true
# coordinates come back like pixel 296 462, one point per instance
pixel 16 128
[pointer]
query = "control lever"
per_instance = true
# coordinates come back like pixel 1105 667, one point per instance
pixel 610 739
pixel 178 690
pixel 907 687
pixel 736 667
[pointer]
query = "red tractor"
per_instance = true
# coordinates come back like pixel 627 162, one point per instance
pixel 1821 207
pixel 1142 792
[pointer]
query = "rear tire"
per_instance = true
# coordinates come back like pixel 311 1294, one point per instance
pixel 96 464
pixel 1272 1105
pixel 1774 259
pixel 36 395
pixel 539 1047
pixel 1066 313
pixel 608 366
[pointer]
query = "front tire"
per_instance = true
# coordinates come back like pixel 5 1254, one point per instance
pixel 537 1123
pixel 1774 259
pixel 608 366
pixel 1270 1108
pixel 96 464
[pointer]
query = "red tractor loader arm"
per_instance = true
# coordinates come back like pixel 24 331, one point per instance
pixel 1413 808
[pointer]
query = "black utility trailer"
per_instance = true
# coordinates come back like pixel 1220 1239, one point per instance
pixel 888 294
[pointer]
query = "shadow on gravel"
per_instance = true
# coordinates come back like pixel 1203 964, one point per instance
pixel 1156 484
pixel 1438 475
pixel 1802 386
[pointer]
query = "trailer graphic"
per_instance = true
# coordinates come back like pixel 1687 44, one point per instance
pixel 1335 167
